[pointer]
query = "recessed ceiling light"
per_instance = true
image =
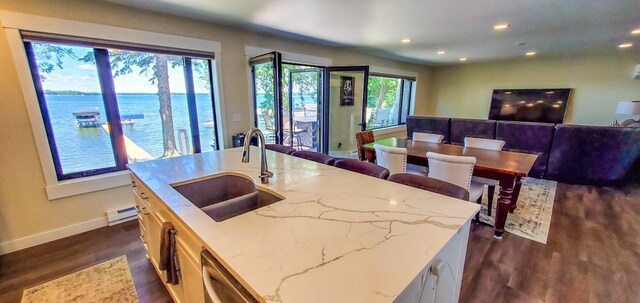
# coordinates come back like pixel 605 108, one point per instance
pixel 502 26
pixel 625 45
pixel 463 59
pixel 406 40
pixel 441 52
pixel 531 53
pixel 636 31
pixel 520 43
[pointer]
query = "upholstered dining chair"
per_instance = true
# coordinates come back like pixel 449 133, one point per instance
pixel 426 137
pixel 280 148
pixel 314 156
pixel 431 184
pixel 363 138
pixel 363 167
pixel 491 184
pixel 392 158
pixel 456 170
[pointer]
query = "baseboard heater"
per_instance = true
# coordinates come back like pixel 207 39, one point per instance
pixel 121 215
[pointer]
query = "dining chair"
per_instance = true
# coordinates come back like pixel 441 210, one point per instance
pixel 491 144
pixel 426 137
pixel 280 148
pixel 392 158
pixel 456 170
pixel 314 156
pixel 431 184
pixel 363 138
pixel 363 167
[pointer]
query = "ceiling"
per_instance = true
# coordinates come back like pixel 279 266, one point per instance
pixel 464 28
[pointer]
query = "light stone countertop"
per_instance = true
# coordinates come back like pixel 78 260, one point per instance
pixel 338 236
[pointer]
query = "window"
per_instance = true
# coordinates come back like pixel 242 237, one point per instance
pixel 104 107
pixel 389 101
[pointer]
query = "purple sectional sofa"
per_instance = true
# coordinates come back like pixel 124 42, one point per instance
pixel 461 128
pixel 569 153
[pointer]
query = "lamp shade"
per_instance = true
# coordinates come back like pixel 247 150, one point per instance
pixel 628 108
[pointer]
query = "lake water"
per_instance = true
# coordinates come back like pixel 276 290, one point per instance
pixel 83 149
pixel 90 148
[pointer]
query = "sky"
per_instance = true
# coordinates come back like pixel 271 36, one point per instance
pixel 81 76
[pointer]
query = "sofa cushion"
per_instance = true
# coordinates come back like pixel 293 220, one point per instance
pixel 593 154
pixel 432 125
pixel 528 137
pixel 461 128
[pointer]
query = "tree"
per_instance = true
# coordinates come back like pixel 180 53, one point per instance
pixel 157 65
pixel 49 56
pixel 382 91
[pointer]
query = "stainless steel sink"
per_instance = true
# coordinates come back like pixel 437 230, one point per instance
pixel 225 196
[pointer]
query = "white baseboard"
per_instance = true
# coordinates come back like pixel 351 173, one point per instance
pixel 51 235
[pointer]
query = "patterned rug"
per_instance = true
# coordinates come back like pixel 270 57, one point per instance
pixel 106 282
pixel 532 218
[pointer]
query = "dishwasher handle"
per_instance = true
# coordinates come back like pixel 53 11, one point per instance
pixel 219 284
pixel 208 287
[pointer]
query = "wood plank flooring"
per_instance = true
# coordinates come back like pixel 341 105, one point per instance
pixel 30 267
pixel 592 255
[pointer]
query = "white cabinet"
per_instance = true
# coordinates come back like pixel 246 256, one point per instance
pixel 151 215
pixel 445 288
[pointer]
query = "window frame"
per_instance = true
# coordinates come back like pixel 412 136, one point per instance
pixel 403 79
pixel 13 23
pixel 111 106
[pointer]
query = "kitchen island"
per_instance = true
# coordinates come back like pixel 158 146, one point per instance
pixel 337 236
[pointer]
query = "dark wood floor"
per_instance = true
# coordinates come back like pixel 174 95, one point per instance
pixel 592 255
pixel 39 264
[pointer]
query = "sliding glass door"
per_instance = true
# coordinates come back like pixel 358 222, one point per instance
pixel 345 92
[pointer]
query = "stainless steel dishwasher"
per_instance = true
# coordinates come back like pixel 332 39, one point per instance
pixel 219 285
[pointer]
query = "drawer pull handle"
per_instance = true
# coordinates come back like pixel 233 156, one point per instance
pixel 143 196
pixel 142 239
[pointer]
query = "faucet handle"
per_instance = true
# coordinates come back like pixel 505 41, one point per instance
pixel 266 174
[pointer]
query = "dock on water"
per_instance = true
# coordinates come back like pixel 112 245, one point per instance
pixel 135 153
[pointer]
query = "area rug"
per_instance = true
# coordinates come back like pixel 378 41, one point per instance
pixel 106 282
pixel 532 218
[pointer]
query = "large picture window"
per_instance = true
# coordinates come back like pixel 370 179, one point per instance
pixel 104 106
pixel 389 101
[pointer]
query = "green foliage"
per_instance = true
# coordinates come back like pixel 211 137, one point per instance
pixel 49 56
pixel 386 86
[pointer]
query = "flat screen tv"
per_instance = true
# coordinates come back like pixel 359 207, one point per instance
pixel 531 105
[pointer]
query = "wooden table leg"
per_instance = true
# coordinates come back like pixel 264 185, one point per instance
pixel 503 205
pixel 516 194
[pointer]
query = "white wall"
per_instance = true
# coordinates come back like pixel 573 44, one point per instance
pixel 600 80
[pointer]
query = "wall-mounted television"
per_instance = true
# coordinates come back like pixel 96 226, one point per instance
pixel 532 105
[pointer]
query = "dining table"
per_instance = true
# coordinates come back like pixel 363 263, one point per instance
pixel 506 167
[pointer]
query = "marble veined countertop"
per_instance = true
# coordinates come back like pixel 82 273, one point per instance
pixel 338 236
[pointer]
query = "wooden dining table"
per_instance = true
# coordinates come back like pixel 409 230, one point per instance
pixel 506 167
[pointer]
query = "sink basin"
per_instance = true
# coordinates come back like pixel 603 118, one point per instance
pixel 225 196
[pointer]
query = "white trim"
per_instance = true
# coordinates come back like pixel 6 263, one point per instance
pixel 33 108
pixel 89 184
pixel 252 51
pixel 221 118
pixel 390 130
pixel 392 71
pixel 91 30
pixel 51 235
pixel 14 22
